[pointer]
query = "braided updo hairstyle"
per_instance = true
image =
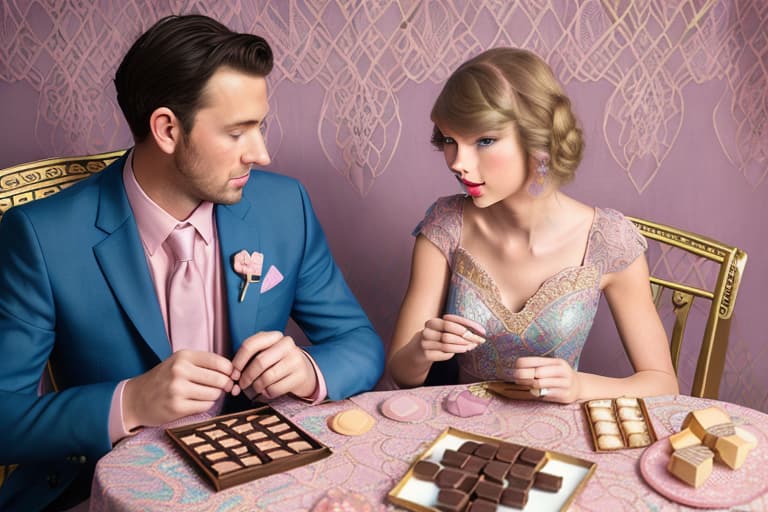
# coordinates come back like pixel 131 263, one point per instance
pixel 510 85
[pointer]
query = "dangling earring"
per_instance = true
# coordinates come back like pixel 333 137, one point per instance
pixel 536 187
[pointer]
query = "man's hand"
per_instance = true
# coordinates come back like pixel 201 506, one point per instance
pixel 188 382
pixel 272 365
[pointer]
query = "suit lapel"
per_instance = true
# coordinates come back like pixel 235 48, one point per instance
pixel 236 234
pixel 123 263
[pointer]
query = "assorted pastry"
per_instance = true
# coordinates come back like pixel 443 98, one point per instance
pixel 707 436
pixel 619 423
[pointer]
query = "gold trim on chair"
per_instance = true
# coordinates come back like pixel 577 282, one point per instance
pixel 722 297
pixel 34 180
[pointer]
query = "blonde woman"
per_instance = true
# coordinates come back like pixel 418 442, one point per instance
pixel 506 279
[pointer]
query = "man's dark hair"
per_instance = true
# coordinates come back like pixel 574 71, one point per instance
pixel 170 64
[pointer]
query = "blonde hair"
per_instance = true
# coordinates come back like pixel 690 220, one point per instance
pixel 510 85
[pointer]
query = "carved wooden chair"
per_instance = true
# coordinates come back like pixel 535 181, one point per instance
pixel 26 182
pixel 694 278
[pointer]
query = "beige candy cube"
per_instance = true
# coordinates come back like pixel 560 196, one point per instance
pixel 747 436
pixel 700 420
pixel 683 439
pixel 733 450
pixel 715 432
pixel 692 464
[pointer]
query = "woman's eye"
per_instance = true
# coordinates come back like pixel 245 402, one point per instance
pixel 448 140
pixel 235 135
pixel 485 141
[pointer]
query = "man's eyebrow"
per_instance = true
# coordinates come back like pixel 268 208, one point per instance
pixel 245 123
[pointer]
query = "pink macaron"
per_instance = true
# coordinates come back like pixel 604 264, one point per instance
pixel 406 408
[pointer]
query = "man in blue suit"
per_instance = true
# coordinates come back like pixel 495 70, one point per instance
pixel 85 275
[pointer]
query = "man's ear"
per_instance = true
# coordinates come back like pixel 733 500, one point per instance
pixel 166 129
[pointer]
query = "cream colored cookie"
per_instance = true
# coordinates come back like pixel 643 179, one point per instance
pixel 352 422
pixel 627 402
pixel 601 414
pixel 638 440
pixel 630 413
pixel 606 427
pixel 634 427
pixel 604 402
pixel 609 442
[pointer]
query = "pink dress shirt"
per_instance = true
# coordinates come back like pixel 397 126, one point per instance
pixel 154 225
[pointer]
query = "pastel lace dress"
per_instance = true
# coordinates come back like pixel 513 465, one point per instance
pixel 555 321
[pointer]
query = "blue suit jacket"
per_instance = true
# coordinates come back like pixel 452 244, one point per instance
pixel 75 288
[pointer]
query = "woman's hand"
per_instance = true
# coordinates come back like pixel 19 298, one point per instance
pixel 554 378
pixel 444 337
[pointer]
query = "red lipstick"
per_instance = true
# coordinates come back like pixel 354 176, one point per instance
pixel 473 188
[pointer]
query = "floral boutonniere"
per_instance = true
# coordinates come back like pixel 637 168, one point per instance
pixel 249 267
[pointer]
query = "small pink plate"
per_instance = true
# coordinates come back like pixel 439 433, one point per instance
pixel 406 408
pixel 724 488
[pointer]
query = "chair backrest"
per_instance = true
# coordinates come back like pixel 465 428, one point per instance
pixel 27 182
pixel 694 273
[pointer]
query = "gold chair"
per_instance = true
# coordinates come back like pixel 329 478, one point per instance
pixel 685 267
pixel 26 182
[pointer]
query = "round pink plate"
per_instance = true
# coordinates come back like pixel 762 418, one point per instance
pixel 724 488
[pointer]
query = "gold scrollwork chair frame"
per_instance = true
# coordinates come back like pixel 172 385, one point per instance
pixel 34 180
pixel 722 299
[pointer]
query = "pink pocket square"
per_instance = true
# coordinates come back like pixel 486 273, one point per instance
pixel 271 280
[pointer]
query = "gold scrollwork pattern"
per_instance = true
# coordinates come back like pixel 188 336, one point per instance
pixel 28 182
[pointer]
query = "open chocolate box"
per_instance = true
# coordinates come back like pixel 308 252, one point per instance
pixel 460 471
pixel 619 423
pixel 236 448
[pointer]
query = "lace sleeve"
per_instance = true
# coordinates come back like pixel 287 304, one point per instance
pixel 441 225
pixel 615 241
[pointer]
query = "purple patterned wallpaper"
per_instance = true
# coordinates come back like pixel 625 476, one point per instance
pixel 673 97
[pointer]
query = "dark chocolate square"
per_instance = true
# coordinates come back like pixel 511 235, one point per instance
pixel 486 450
pixel 454 459
pixel 532 456
pixel 482 506
pixel 451 500
pixel 508 452
pixel 490 491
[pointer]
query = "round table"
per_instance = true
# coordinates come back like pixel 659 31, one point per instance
pixel 146 472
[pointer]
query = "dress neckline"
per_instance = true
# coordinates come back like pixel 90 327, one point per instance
pixel 493 288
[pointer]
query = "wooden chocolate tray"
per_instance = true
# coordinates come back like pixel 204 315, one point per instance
pixel 421 495
pixel 251 444
pixel 622 433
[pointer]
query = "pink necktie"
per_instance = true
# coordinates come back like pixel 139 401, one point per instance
pixel 187 315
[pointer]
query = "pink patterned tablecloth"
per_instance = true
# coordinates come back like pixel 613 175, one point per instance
pixel 147 473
